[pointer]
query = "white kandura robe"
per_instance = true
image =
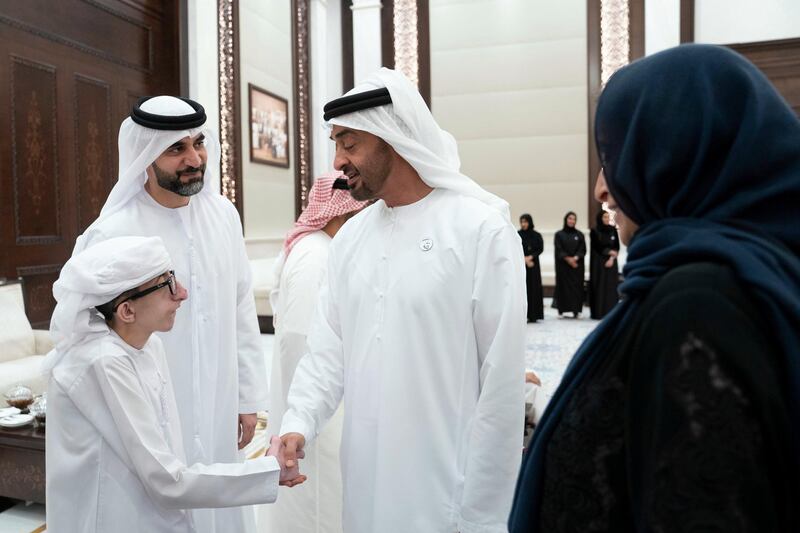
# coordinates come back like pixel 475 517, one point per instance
pixel 420 327
pixel 115 459
pixel 215 354
pixel 316 505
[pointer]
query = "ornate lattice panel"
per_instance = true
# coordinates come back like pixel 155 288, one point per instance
pixel 614 37
pixel 406 39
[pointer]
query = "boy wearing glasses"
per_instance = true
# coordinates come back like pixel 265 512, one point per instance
pixel 168 187
pixel 115 456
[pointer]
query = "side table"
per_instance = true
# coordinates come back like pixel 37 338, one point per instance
pixel 22 463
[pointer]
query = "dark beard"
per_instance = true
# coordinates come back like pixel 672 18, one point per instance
pixel 172 182
pixel 372 175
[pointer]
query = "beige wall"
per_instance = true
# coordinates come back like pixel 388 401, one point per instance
pixel 722 22
pixel 265 61
pixel 742 21
pixel 508 80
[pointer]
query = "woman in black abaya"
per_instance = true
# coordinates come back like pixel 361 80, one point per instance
pixel 532 247
pixel 680 412
pixel 603 270
pixel 570 250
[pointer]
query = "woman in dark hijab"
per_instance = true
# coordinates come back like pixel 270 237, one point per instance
pixel 603 272
pixel 680 412
pixel 532 247
pixel 570 250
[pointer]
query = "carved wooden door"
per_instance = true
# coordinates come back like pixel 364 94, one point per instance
pixel 70 71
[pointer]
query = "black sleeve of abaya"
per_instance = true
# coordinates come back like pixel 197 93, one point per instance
pixel 560 252
pixel 538 244
pixel 597 246
pixel 582 249
pixel 705 420
pixel 525 247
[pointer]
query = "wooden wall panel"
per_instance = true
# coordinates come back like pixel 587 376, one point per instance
pixel 90 26
pixel 71 71
pixel 779 60
pixel 92 119
pixel 687 21
pixel 38 292
pixel 35 152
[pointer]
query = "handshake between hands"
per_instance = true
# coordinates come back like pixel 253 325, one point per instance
pixel 287 450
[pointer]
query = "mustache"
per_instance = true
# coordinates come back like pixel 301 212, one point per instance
pixel 191 170
pixel 350 171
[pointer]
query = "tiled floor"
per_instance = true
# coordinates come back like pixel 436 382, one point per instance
pixel 23 518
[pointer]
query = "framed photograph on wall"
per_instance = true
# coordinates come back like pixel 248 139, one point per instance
pixel 269 127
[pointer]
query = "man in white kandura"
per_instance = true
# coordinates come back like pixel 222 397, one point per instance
pixel 316 507
pixel 168 162
pixel 115 459
pixel 420 328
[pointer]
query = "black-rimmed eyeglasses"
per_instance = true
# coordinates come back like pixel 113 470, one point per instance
pixel 171 283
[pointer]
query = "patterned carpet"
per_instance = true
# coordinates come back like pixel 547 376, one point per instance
pixel 551 343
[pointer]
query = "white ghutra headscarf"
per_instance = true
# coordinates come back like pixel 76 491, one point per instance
pixel 140 146
pixel 409 127
pixel 94 277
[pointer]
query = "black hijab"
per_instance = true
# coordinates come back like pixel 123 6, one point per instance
pixel 528 236
pixel 527 217
pixel 567 228
pixel 600 226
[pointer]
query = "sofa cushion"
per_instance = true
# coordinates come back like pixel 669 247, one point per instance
pixel 263 283
pixel 43 341
pixel 16 335
pixel 25 371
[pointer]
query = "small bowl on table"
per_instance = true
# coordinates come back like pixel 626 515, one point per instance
pixel 20 397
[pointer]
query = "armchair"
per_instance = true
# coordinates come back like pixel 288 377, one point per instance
pixel 22 348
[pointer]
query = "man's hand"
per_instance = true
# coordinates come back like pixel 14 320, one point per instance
pixel 247 428
pixel 294 442
pixel 610 262
pixel 529 261
pixel 531 377
pixel 290 476
pixel 571 261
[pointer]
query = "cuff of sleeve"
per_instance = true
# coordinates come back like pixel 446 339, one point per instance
pixel 465 526
pixel 273 477
pixel 246 408
pixel 293 425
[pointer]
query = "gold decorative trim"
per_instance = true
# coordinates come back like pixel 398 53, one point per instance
pixel 301 58
pixel 227 98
